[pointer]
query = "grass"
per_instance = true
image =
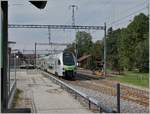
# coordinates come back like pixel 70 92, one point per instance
pixel 16 98
pixel 132 77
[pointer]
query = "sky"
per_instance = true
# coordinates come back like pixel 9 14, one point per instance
pixel 116 14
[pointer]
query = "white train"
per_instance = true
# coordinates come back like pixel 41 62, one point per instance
pixel 63 64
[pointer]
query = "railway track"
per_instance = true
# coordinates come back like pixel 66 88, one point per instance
pixel 127 93
pixel 130 94
pixel 109 87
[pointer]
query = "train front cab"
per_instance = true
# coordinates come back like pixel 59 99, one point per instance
pixel 69 72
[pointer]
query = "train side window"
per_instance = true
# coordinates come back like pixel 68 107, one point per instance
pixel 59 62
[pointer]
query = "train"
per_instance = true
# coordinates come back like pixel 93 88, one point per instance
pixel 63 64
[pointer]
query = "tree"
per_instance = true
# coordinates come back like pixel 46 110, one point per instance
pixel 142 59
pixel 139 28
pixel 84 43
pixel 113 49
pixel 127 48
pixel 85 46
pixel 71 48
pixel 97 54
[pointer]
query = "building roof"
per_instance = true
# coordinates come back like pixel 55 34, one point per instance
pixel 84 57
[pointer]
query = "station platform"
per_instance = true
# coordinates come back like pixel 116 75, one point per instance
pixel 43 96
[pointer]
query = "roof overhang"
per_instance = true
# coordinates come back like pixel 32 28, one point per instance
pixel 11 42
pixel 39 4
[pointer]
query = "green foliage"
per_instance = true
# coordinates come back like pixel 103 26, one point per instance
pixel 16 98
pixel 142 52
pixel 97 49
pixel 128 48
pixel 71 48
pixel 85 46
pixel 84 43
pixel 97 54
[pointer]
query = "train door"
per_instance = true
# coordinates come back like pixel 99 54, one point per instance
pixel 59 67
pixel 55 67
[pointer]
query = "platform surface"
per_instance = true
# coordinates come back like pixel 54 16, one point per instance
pixel 42 95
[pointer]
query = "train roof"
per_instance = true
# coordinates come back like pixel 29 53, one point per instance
pixel 54 55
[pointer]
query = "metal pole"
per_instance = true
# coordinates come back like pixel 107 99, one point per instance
pixel 73 19
pixel 148 7
pixel 89 104
pixel 118 97
pixel 73 16
pixel 75 95
pixel 15 65
pixel 73 24
pixel 35 54
pixel 49 34
pixel 105 49
pixel 4 54
pixel 100 110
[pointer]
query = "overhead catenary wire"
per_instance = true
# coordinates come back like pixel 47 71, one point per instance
pixel 123 21
pixel 129 9
pixel 122 18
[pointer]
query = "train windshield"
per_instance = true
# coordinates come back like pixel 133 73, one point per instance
pixel 68 59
